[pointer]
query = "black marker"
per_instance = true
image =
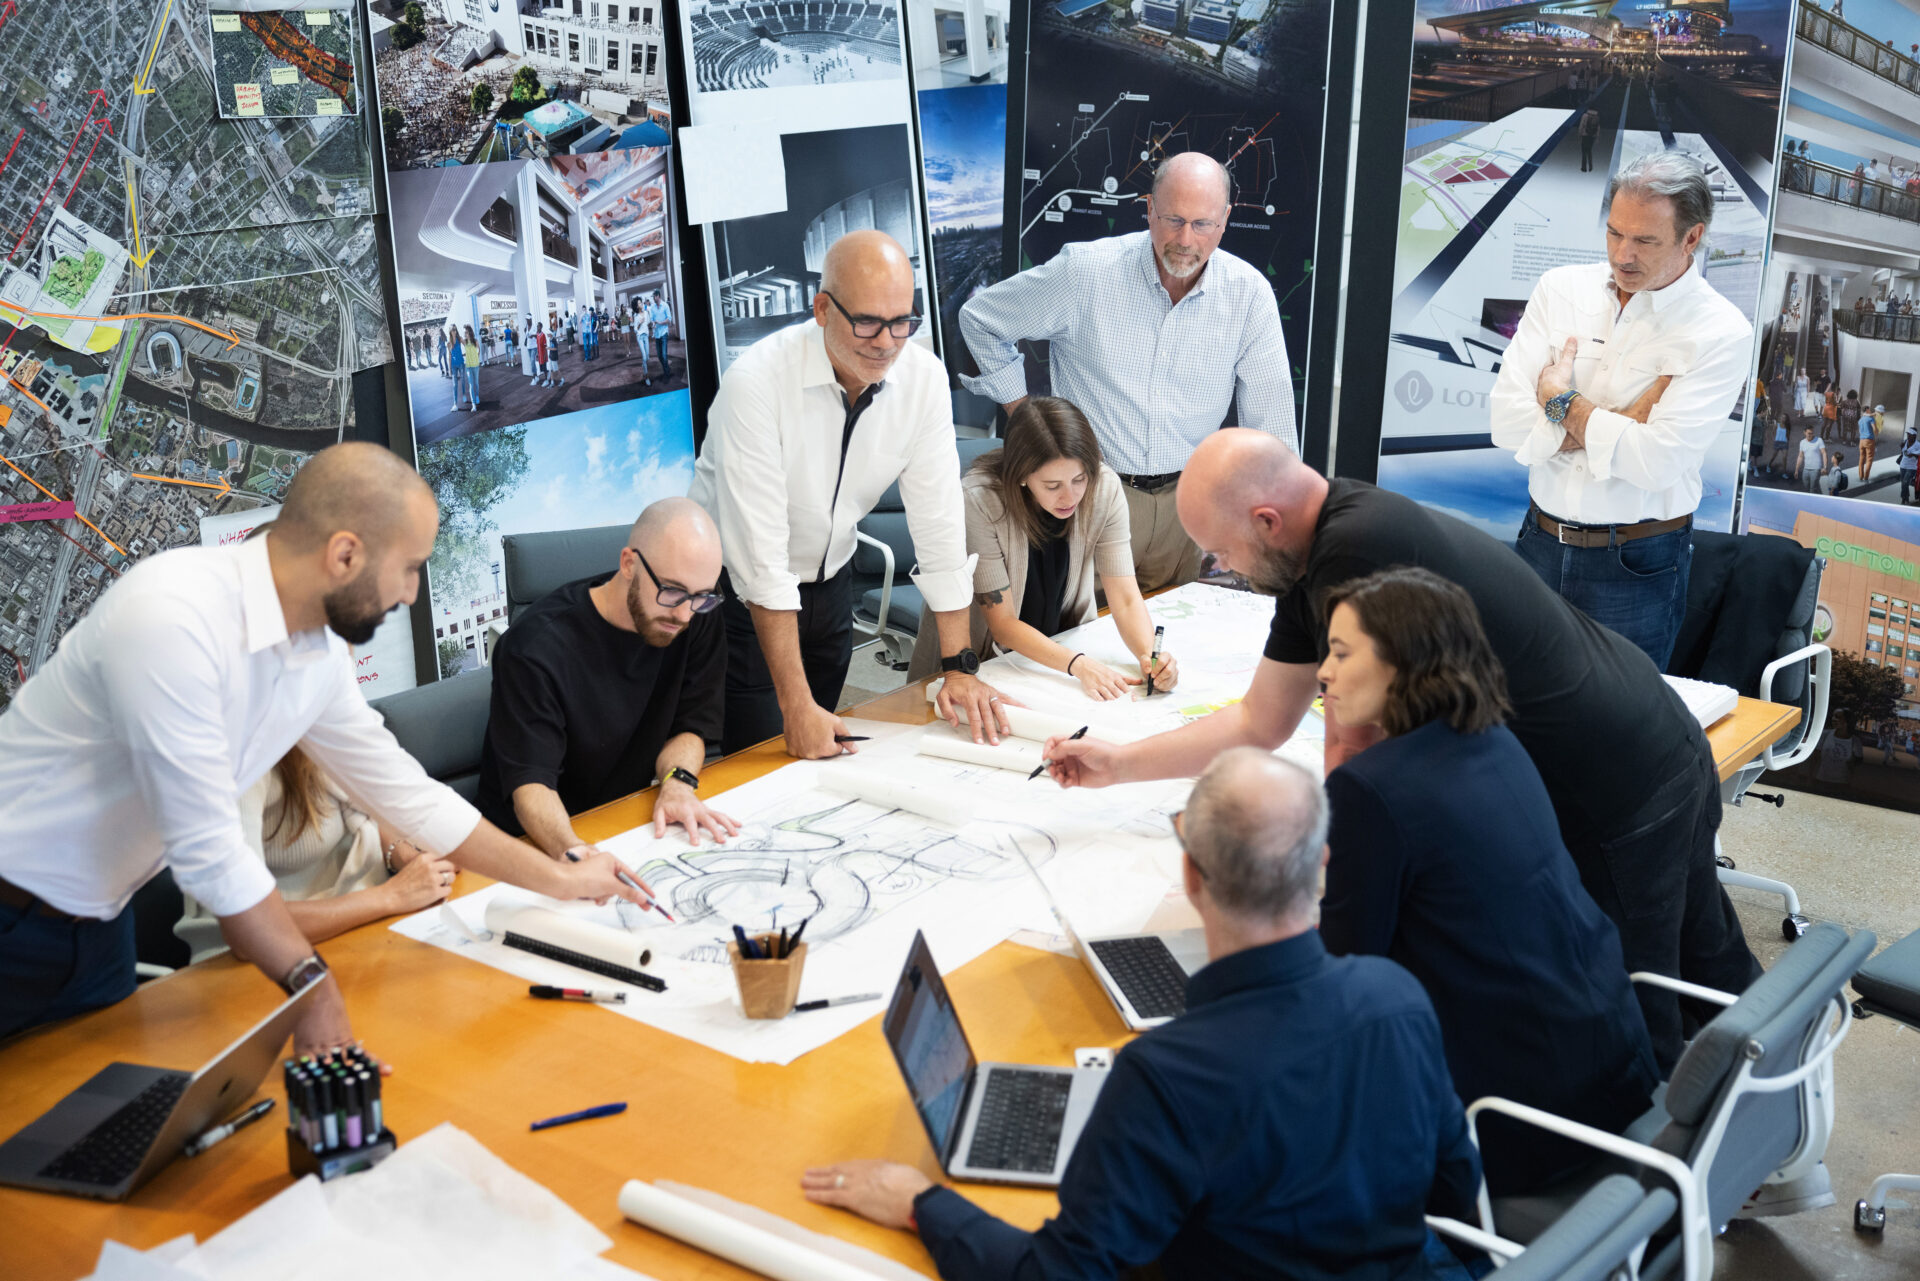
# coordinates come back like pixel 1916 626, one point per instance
pixel 1079 733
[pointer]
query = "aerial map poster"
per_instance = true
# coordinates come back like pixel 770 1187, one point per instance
pixel 183 303
pixel 296 62
pixel 1113 89
pixel 1495 193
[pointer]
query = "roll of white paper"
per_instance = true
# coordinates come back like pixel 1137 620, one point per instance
pixel 1026 722
pixel 545 925
pixel 864 784
pixel 1025 759
pixel 737 1242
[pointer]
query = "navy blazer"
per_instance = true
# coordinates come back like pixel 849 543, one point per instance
pixel 1446 857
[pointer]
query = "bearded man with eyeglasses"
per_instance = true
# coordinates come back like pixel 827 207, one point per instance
pixel 812 424
pixel 609 682
pixel 1159 336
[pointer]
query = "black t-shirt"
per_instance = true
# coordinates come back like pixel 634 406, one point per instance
pixel 1046 591
pixel 584 708
pixel 1591 709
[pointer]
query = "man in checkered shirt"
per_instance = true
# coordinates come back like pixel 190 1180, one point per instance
pixel 1157 336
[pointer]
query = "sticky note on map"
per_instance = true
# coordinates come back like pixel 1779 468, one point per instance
pixel 285 76
pixel 326 106
pixel 247 101
pixel 319 18
pixel 226 22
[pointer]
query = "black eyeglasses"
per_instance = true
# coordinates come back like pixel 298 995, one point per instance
pixel 675 597
pixel 870 326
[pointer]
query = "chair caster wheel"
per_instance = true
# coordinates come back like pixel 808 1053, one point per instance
pixel 1721 860
pixel 1794 926
pixel 1868 1219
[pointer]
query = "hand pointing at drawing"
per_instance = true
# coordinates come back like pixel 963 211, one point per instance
pixel 1083 762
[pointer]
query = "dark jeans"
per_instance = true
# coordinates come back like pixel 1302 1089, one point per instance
pixel 1637 588
pixel 1906 485
pixel 1654 876
pixel 660 346
pixel 826 648
pixel 1586 153
pixel 52 969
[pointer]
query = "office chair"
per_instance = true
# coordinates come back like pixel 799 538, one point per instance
pixel 1889 984
pixel 535 564
pixel 157 908
pixel 1749 1105
pixel 1602 1237
pixel 443 726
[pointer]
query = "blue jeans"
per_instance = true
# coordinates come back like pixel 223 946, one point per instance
pixel 51 969
pixel 660 345
pixel 1637 588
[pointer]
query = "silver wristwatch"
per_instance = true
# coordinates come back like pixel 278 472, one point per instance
pixel 1557 407
pixel 306 971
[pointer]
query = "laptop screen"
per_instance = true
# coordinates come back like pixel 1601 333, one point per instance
pixel 924 1033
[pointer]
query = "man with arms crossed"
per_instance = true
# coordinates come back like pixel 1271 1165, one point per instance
pixel 609 682
pixel 188 679
pixel 1296 1122
pixel 1618 381
pixel 1156 336
pixel 1628 770
pixel 811 426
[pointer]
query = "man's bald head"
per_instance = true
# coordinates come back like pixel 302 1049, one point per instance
pixel 356 488
pixel 1249 499
pixel 675 526
pixel 865 259
pixel 866 279
pixel 1193 171
pixel 1256 828
pixel 681 547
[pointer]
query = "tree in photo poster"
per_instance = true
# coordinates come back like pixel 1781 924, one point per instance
pixel 1114 89
pixel 1517 118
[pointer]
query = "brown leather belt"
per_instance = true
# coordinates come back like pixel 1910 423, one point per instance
pixel 1605 535
pixel 12 895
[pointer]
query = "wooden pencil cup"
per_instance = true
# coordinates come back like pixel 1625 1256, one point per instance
pixel 768 988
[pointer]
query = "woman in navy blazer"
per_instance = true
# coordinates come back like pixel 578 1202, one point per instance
pixel 1445 856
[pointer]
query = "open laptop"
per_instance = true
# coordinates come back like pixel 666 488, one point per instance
pixel 989 1122
pixel 116 1131
pixel 1144 975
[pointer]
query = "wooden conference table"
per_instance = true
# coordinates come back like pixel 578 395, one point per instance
pixel 469 1046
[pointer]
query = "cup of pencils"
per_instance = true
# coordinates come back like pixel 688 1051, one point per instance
pixel 767 969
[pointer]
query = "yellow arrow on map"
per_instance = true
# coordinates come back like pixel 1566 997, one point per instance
pixel 133 212
pixel 143 79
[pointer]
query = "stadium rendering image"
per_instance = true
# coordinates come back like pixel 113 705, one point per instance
pixel 794 42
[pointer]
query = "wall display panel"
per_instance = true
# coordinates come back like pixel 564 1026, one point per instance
pixel 963 155
pixel 183 304
pixel 1113 89
pixel 1498 188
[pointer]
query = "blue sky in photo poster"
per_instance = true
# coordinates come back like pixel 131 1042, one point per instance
pixel 601 466
pixel 963 147
pixel 1777 509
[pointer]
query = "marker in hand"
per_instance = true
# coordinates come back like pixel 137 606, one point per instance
pixel 1079 733
pixel 1153 661
pixel 651 904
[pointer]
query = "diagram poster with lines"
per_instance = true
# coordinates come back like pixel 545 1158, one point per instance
pixel 1516 118
pixel 1115 88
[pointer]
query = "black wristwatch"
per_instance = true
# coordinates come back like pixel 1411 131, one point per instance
pixel 965 661
pixel 309 970
pixel 684 775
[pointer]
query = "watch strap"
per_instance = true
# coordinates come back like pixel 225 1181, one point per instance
pixel 681 773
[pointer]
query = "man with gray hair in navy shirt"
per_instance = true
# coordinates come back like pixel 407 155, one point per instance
pixel 1296 1122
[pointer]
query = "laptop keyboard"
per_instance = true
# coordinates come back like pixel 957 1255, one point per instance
pixel 1021 1115
pixel 114 1149
pixel 1143 969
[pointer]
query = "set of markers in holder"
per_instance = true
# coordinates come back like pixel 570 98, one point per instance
pixel 334 1121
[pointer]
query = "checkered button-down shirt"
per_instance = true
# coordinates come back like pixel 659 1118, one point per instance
pixel 1153 376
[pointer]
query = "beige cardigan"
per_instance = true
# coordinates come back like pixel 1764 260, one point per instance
pixel 1102 526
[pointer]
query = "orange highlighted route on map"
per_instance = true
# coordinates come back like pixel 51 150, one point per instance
pixel 233 340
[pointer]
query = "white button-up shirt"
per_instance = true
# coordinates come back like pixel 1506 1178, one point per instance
pixel 1154 377
pixel 179 689
pixel 768 467
pixel 1629 471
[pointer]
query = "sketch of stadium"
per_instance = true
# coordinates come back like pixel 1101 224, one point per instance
pixel 744 44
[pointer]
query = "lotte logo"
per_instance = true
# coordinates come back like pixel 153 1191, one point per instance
pixel 1413 392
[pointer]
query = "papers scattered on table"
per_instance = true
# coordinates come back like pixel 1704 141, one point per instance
pixel 442 1208
pixel 1709 703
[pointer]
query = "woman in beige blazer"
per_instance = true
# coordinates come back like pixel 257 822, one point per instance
pixel 1044 516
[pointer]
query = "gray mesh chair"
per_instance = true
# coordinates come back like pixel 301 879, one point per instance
pixel 1602 1237
pixel 1749 1105
pixel 535 564
pixel 443 725
pixel 1888 985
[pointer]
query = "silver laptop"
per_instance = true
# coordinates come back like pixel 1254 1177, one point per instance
pixel 1144 975
pixel 989 1122
pixel 115 1132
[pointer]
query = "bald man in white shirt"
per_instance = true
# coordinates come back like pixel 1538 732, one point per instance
pixel 190 677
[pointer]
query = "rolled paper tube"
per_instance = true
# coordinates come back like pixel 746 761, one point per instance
pixel 1027 723
pixel 863 784
pixel 751 1247
pixel 1005 756
pixel 616 947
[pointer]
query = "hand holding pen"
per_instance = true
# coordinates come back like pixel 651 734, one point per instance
pixel 600 864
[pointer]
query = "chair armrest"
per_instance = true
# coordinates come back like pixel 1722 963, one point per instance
pixel 148 970
pixel 1822 658
pixel 1715 995
pixel 1497 1246
pixel 886 580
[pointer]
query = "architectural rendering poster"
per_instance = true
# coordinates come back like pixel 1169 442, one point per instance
pixel 1113 89
pixel 184 300
pixel 1495 194
pixel 830 80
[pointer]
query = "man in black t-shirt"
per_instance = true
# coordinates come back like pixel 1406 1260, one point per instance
pixel 1632 780
pixel 607 683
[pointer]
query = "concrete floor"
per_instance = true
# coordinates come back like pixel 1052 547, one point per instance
pixel 1858 866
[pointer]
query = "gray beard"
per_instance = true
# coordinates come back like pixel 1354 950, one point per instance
pixel 1275 571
